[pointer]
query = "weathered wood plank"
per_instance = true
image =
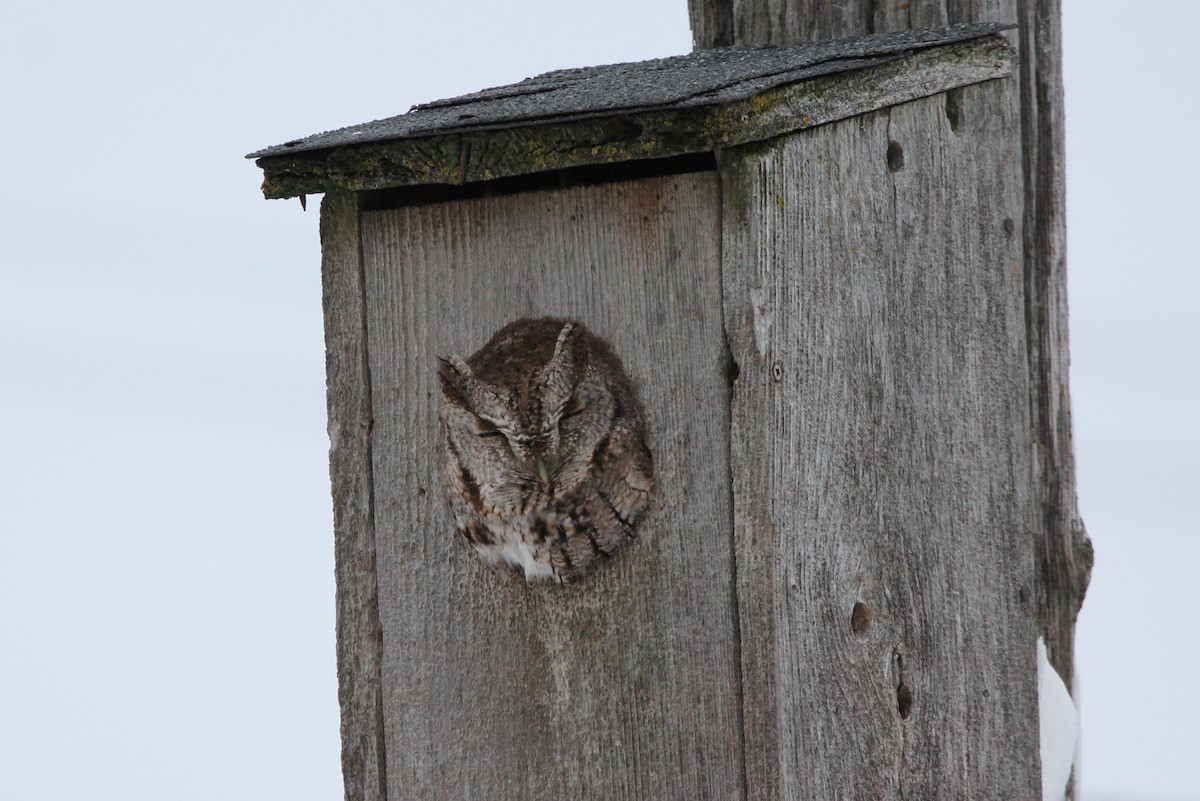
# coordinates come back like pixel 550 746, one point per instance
pixel 623 686
pixel 1064 552
pixel 712 23
pixel 880 456
pixel 779 21
pixel 359 644
pixel 488 155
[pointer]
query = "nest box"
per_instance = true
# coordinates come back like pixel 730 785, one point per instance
pixel 809 259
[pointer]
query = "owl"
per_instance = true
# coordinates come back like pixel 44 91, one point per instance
pixel 547 467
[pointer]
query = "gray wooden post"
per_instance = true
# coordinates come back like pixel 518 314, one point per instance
pixel 810 261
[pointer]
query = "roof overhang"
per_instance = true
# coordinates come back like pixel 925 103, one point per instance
pixel 701 102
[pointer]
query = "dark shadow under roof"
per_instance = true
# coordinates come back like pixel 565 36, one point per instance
pixel 704 78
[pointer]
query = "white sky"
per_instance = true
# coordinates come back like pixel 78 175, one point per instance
pixel 166 578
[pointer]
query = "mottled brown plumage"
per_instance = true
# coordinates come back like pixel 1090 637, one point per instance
pixel 547 466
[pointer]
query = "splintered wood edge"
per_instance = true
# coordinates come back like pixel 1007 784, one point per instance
pixel 486 155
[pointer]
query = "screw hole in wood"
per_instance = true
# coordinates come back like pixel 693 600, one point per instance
pixel 860 617
pixel 895 156
pixel 954 108
pixel 904 694
pixel 904 699
pixel 732 371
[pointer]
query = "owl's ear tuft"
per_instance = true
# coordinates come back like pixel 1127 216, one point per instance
pixel 453 375
pixel 563 350
pixel 557 379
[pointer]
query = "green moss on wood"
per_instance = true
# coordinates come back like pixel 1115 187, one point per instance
pixel 658 133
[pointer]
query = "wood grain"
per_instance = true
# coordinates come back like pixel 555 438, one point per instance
pixel 359 643
pixel 1059 540
pixel 624 686
pixel 1064 551
pixel 881 456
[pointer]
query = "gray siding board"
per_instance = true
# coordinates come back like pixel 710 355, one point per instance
pixel 623 685
pixel 881 455
pixel 359 646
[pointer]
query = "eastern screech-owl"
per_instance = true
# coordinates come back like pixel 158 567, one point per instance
pixel 547 467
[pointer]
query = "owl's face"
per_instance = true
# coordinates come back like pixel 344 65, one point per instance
pixel 525 429
pixel 546 463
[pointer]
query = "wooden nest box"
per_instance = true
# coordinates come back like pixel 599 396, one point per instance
pixel 809 259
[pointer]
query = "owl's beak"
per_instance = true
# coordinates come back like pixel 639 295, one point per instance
pixel 543 470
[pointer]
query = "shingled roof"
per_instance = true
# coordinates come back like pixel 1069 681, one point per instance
pixel 648 109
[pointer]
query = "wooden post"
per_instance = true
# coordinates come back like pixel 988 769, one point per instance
pixel 816 282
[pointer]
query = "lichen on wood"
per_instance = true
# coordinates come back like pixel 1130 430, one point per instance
pixel 528 148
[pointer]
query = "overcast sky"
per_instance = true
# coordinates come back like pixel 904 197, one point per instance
pixel 166 577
